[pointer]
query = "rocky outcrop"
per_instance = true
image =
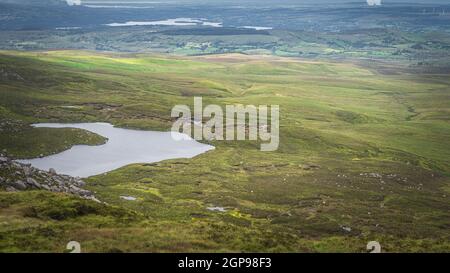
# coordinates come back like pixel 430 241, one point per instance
pixel 15 176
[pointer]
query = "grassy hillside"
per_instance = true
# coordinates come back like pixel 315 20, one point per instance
pixel 363 155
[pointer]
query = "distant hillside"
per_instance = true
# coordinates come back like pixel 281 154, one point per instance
pixel 35 2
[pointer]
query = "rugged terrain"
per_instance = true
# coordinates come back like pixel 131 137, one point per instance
pixel 21 177
pixel 363 155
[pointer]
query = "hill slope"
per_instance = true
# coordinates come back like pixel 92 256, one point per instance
pixel 363 156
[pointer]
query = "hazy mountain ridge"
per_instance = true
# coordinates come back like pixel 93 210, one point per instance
pixel 35 2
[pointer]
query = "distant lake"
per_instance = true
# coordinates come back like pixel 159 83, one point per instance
pixel 124 147
pixel 258 28
pixel 67 28
pixel 169 22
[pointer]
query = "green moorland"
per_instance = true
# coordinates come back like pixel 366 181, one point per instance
pixel 363 156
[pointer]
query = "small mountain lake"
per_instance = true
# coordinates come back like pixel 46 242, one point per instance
pixel 124 147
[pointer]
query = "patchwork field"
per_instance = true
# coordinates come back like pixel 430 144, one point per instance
pixel 364 155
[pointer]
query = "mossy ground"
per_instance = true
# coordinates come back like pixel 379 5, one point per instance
pixel 358 149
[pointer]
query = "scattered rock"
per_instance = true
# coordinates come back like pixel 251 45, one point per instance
pixel 10 189
pixel 59 181
pixel 219 209
pixel 92 198
pixel 28 171
pixel 346 229
pixel 128 198
pixel 32 182
pixel 308 167
pixel 34 179
pixel 85 192
pixel 80 183
pixel 20 185
pixel 45 187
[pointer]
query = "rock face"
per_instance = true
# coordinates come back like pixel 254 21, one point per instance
pixel 20 177
pixel 20 185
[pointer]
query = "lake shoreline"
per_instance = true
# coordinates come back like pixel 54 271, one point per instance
pixel 123 147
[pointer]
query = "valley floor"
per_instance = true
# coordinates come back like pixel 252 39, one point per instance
pixel 363 156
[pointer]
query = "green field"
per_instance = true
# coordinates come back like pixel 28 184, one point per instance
pixel 364 155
